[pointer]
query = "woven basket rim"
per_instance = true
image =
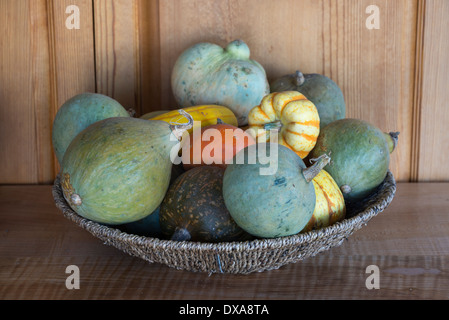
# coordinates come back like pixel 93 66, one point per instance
pixel 377 203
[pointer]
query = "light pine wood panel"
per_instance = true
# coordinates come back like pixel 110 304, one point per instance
pixel 394 77
pixel 73 50
pixel 433 106
pixel 25 102
pixel 73 61
pixel 127 53
pixel 117 51
pixel 149 56
pixel 374 68
pixel 42 65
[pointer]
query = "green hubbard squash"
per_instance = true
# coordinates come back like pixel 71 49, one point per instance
pixel 360 156
pixel 117 170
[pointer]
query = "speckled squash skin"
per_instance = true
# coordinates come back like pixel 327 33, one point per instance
pixel 209 74
pixel 325 94
pixel 330 204
pixel 194 203
pixel 77 113
pixel 360 156
pixel 271 205
pixel 117 170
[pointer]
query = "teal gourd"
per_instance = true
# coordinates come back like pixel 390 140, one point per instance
pixel 206 73
pixel 270 204
pixel 77 113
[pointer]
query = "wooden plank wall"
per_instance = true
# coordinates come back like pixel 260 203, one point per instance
pixel 394 76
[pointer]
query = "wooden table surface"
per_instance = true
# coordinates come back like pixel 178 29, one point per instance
pixel 408 242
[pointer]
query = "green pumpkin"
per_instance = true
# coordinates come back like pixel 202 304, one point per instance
pixel 77 113
pixel 325 94
pixel 117 170
pixel 208 74
pixel 360 156
pixel 193 208
pixel 270 204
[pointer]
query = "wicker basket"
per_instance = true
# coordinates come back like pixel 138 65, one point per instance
pixel 236 257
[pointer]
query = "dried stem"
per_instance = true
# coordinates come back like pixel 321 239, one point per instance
pixel 319 164
pixel 179 129
pixel 299 78
pixel 181 234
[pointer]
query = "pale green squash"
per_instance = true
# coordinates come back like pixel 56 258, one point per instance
pixel 209 74
pixel 77 113
pixel 117 170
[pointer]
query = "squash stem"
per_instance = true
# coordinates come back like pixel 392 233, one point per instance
pixel 181 234
pixel 320 163
pixel 179 129
pixel 276 125
pixel 393 142
pixel 299 78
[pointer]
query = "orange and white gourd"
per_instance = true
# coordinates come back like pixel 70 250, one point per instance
pixel 330 204
pixel 293 113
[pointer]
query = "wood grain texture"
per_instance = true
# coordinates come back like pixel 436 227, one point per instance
pixel 25 112
pixel 410 248
pixel 417 95
pixel 394 76
pixel 374 68
pixel 42 65
pixel 117 51
pixel 150 57
pixel 433 104
pixel 73 64
pixel 73 50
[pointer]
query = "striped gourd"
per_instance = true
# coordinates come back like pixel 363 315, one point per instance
pixel 207 114
pixel 290 111
pixel 330 204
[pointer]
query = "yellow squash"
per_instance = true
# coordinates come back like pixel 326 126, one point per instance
pixel 290 111
pixel 207 114
pixel 152 114
pixel 330 205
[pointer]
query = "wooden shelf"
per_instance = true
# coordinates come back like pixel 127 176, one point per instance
pixel 409 242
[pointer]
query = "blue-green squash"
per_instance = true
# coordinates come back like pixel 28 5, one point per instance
pixel 270 204
pixel 117 170
pixel 360 154
pixel 325 94
pixel 148 226
pixel 77 113
pixel 206 73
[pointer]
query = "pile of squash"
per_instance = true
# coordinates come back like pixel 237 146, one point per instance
pixel 239 158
